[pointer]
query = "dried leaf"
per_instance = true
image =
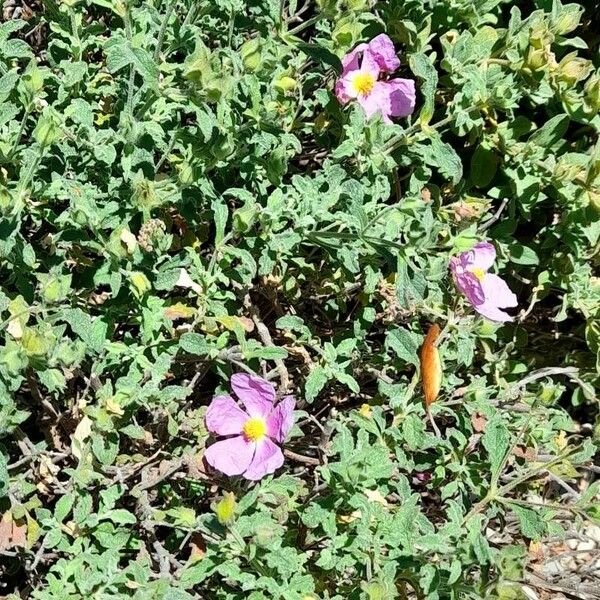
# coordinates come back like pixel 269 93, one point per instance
pixel 197 547
pixel 129 240
pixel 179 311
pixel 82 432
pixel 431 366
pixel 185 281
pixel 13 533
pixel 479 422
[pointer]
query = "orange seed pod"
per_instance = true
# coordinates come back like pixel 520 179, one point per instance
pixel 431 366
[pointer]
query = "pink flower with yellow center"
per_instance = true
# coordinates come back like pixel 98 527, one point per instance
pixel 486 292
pixel 249 447
pixel 360 80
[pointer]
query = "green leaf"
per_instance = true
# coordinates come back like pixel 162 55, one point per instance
pixel 3 473
pixel 405 344
pixel 483 167
pixel 320 54
pixel 522 255
pixel 220 212
pixel 144 64
pixel 532 525
pixel 551 132
pixel 194 343
pixel 423 68
pixel 445 159
pixel 268 353
pixel 119 516
pixel 63 507
pixel 496 440
pixel 315 382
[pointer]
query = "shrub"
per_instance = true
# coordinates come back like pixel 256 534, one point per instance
pixel 183 197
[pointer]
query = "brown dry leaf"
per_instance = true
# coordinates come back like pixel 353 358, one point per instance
pixel 478 421
pixel 179 311
pixel 375 496
pixel 185 281
pixel 197 547
pixel 529 454
pixel 82 432
pixel 98 298
pixel 247 324
pixel 536 551
pixel 473 442
pixel 13 534
pixel 346 519
pixel 113 407
pixel 129 240
pixel 47 471
pixel 196 467
pixel 462 210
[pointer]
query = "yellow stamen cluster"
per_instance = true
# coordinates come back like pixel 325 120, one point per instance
pixel 479 273
pixel 255 429
pixel 363 83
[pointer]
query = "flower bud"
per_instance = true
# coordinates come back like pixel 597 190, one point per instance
pixel 33 79
pixel 540 37
pixel 285 84
pixel 568 20
pixel 140 283
pixel 47 130
pixel 225 508
pixel 566 171
pixel 251 53
pixel 144 195
pixel 120 8
pixel 536 59
pixel 33 343
pixel 186 174
pixel 592 91
pixel 244 217
pixel 151 233
pixel 594 198
pixel 264 536
pixel 572 68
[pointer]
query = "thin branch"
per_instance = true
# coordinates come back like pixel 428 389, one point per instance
pixel 487 224
pixel 307 460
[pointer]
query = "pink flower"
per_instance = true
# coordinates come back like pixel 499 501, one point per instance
pixel 360 80
pixel 485 291
pixel 249 449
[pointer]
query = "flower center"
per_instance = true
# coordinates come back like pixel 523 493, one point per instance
pixel 255 429
pixel 479 273
pixel 363 83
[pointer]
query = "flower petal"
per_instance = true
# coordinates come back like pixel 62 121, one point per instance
pixel 267 458
pixel 482 256
pixel 470 286
pixel 231 456
pixel 256 393
pixel 402 97
pixel 391 98
pixel 381 51
pixel 377 101
pixel 224 416
pixel 281 420
pixel 351 61
pixel 497 295
pixel 344 90
pixel 493 313
pixel 497 291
